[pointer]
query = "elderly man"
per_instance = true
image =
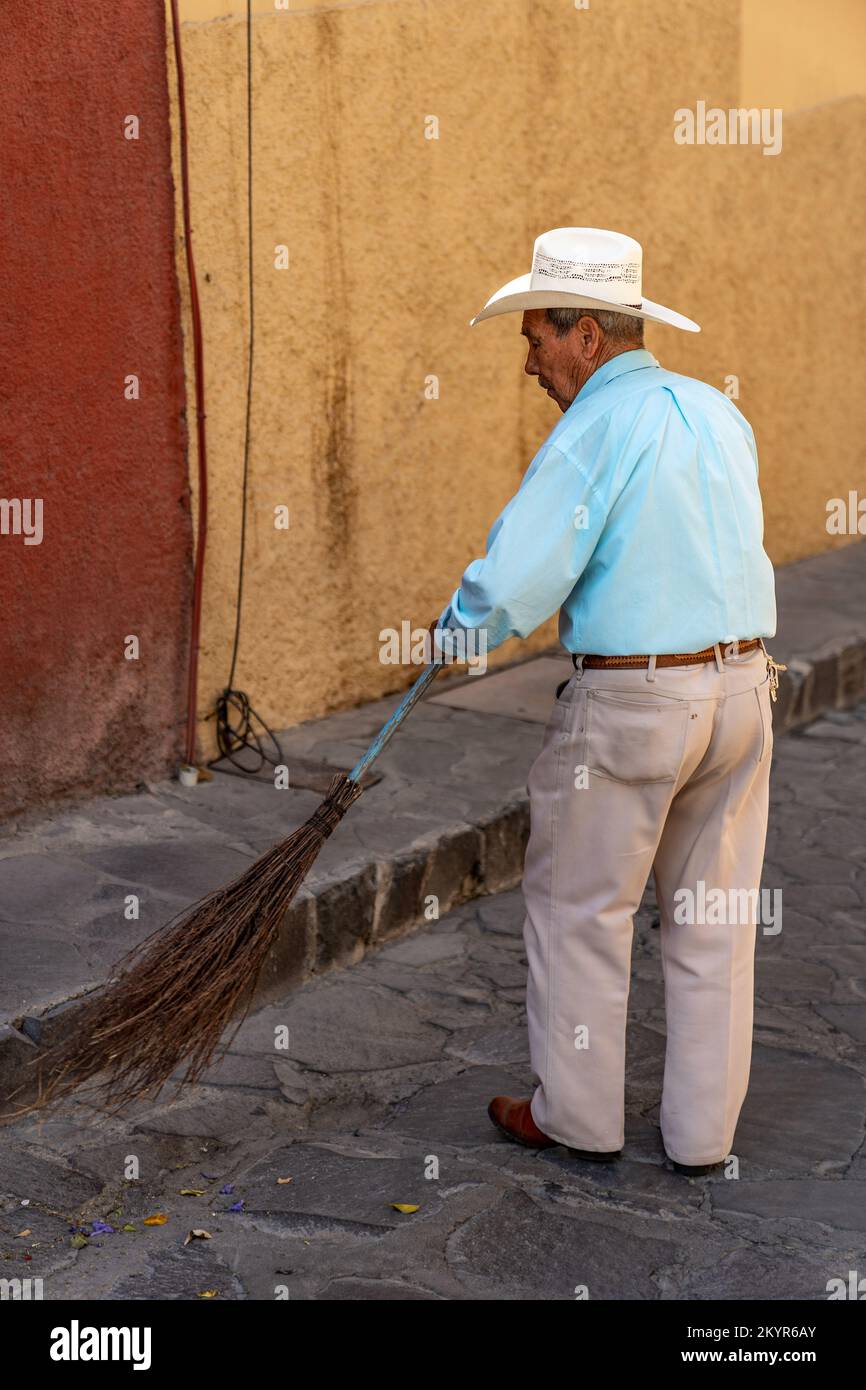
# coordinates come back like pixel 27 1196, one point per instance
pixel 640 519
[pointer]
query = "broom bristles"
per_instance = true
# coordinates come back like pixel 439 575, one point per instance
pixel 172 997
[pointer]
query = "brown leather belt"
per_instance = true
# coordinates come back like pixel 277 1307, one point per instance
pixel 668 658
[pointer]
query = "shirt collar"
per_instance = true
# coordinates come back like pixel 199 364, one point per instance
pixel 624 362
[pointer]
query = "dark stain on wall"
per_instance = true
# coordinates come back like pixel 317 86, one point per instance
pixel 333 435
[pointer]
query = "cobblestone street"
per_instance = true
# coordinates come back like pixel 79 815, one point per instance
pixel 294 1158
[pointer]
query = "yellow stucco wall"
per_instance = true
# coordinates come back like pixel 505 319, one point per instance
pixel 548 116
pixel 800 52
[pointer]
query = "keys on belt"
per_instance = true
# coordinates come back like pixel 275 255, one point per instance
pixel 773 669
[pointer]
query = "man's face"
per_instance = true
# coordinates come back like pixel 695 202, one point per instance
pixel 557 362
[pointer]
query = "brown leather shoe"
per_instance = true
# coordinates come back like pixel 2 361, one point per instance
pixel 514 1119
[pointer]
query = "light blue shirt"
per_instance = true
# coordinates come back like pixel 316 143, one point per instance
pixel 639 518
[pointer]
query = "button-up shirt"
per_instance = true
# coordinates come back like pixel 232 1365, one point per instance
pixel 639 518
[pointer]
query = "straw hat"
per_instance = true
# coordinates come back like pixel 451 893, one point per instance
pixel 586 268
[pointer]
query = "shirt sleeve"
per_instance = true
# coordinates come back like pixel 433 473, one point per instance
pixel 537 550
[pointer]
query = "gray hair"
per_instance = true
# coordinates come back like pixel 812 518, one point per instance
pixel 620 328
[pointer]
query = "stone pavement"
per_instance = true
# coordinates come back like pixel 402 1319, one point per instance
pixel 299 1153
pixel 448 819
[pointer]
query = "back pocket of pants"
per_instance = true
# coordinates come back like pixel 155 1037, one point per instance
pixel 634 740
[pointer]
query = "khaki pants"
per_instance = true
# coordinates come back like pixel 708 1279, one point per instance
pixel 647 769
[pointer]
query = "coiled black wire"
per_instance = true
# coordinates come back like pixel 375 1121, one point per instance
pixel 236 719
pixel 236 732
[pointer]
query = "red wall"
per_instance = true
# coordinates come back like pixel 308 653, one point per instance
pixel 89 296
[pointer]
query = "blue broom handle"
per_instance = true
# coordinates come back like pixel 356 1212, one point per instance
pixel 387 731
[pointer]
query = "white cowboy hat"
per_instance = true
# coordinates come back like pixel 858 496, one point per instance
pixel 587 268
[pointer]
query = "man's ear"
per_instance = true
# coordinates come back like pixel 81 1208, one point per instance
pixel 590 335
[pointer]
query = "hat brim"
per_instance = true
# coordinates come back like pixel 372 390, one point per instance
pixel 517 295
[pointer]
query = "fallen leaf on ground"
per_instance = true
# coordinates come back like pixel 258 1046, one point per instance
pixel 78 1242
pixel 25 1232
pixel 404 1207
pixel 283 1180
pixel 192 1192
pixel 208 1293
pixel 198 1235
pixel 129 1226
pixel 158 1219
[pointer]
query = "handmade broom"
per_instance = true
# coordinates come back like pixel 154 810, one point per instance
pixel 169 1001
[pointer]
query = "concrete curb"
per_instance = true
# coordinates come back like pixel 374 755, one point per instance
pixel 319 932
pixel 834 679
pixel 458 862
